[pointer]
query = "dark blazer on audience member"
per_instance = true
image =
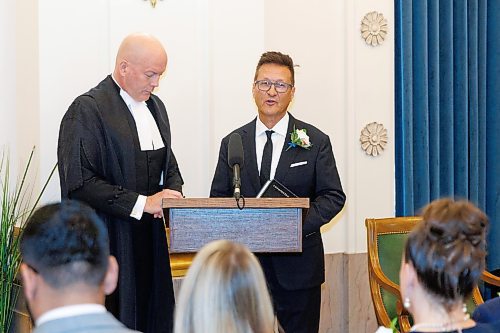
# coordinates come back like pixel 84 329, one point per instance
pixel 487 312
pixel 317 180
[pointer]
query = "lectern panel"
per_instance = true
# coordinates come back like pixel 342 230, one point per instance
pixel 261 229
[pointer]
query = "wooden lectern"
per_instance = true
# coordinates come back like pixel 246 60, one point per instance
pixel 263 225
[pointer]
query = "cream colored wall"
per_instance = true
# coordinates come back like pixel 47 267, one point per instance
pixel 8 70
pixel 19 113
pixel 213 48
pixel 370 97
pixel 342 85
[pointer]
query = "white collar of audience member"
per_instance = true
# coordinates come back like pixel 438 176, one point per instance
pixel 70 311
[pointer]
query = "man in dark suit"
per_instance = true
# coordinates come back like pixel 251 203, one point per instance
pixel 304 163
pixel 114 153
pixel 67 270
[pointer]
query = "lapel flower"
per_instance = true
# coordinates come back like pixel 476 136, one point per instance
pixel 299 138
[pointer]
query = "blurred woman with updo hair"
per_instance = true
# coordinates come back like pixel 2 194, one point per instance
pixel 443 260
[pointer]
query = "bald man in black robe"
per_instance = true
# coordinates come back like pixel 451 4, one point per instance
pixel 114 153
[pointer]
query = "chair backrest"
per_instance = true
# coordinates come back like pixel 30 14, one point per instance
pixel 386 239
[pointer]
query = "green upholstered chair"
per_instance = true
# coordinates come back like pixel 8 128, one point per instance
pixel 386 239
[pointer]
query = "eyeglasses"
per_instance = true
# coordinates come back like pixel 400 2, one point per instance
pixel 265 85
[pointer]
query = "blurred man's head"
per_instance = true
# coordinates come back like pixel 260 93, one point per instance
pixel 65 250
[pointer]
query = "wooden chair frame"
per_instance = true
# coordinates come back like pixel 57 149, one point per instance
pixel 378 280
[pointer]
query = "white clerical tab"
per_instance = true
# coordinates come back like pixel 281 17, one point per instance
pixel 147 130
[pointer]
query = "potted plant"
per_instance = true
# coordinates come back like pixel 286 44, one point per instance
pixel 16 206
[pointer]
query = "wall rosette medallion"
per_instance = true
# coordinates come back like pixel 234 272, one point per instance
pixel 374 28
pixel 373 139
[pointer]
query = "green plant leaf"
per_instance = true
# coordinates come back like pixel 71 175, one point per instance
pixel 16 208
pixel 394 325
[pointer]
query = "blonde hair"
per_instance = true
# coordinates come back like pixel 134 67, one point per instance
pixel 224 292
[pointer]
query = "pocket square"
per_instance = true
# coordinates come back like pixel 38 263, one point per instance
pixel 293 165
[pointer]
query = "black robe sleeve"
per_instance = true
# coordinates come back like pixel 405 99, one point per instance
pixel 111 199
pixel 95 151
pixel 83 164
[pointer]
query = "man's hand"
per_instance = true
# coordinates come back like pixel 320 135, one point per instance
pixel 171 194
pixel 154 202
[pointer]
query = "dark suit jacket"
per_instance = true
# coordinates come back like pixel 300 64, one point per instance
pixel 89 323
pixel 317 180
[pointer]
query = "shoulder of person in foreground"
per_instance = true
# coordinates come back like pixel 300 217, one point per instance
pixel 492 327
pixel 487 312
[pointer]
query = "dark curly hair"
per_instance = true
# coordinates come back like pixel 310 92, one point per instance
pixel 448 249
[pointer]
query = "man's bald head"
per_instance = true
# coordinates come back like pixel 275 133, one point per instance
pixel 138 46
pixel 140 61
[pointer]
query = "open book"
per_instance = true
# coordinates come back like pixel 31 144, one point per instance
pixel 274 189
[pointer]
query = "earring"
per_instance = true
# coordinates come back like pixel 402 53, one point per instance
pixel 464 308
pixel 406 303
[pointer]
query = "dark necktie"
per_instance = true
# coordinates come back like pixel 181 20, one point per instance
pixel 267 157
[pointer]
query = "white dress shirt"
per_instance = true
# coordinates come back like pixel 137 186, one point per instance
pixel 278 138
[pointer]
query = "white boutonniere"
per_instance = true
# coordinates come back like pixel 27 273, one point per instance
pixel 299 138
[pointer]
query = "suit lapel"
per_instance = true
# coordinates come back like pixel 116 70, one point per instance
pixel 287 156
pixel 248 138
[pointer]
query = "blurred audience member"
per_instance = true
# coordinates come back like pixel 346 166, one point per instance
pixel 224 292
pixel 443 260
pixel 67 270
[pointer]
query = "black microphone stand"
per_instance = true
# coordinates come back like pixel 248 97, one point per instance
pixel 237 186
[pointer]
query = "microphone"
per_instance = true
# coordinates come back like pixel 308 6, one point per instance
pixel 235 161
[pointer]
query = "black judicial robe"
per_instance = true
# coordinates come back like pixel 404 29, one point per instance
pixel 100 163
